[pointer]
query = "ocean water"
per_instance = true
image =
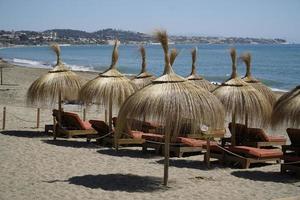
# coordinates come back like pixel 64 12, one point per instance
pixel 278 66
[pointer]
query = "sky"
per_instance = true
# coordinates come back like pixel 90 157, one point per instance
pixel 238 18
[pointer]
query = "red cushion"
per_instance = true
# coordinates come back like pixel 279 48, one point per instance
pixel 72 121
pixel 100 126
pixel 256 152
pixel 87 125
pixel 276 139
pixel 136 134
pixel 191 141
pixel 153 137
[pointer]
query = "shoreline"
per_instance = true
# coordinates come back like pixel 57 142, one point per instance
pixel 87 69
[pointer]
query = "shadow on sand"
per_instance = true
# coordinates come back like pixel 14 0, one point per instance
pixel 71 143
pixel 191 164
pixel 132 153
pixel 119 182
pixel 265 176
pixel 26 134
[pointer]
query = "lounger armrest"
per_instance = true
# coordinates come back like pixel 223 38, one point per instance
pixel 290 148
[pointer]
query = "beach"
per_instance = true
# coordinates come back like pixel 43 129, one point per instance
pixel 33 166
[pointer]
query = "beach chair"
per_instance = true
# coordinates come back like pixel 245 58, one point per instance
pixel 130 138
pixel 72 126
pixel 256 137
pixel 190 143
pixel 291 153
pixel 244 155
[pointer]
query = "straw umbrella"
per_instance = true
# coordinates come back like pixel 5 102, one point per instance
pixel 57 85
pixel 143 78
pixel 195 78
pixel 109 88
pixel 248 78
pixel 172 102
pixel 286 111
pixel 243 102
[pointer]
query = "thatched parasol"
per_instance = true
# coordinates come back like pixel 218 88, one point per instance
pixel 172 102
pixel 195 78
pixel 143 78
pixel 286 111
pixel 243 102
pixel 58 84
pixel 109 88
pixel 248 78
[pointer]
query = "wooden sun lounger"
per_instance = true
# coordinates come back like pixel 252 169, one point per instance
pixel 245 155
pixel 256 137
pixel 71 126
pixel 103 129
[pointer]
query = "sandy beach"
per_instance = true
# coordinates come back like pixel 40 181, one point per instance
pixel 33 166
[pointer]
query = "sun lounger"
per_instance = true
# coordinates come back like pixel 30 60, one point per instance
pixel 181 146
pixel 256 137
pixel 291 153
pixel 244 155
pixel 131 138
pixel 72 126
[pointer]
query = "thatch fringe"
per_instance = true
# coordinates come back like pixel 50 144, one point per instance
pixel 45 90
pixel 143 78
pixel 286 111
pixel 233 59
pixel 143 54
pixel 162 37
pixel 265 90
pixel 56 49
pixel 172 102
pixel 174 53
pixel 115 55
pixel 195 78
pixel 109 84
pixel 239 97
pixel 194 57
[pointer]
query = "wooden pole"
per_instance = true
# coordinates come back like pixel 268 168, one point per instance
pixel 110 122
pixel 59 115
pixel 105 116
pixel 4 118
pixel 38 118
pixel 167 157
pixel 233 134
pixel 208 152
pixel 1 76
pixel 84 114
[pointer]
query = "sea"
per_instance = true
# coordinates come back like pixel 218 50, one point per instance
pixel 278 66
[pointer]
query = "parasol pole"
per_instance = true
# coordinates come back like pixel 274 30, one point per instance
pixel 167 157
pixel 59 113
pixel 233 134
pixel 1 75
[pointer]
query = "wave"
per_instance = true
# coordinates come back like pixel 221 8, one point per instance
pixel 39 64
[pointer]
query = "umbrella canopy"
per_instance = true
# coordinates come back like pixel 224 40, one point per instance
pixel 286 111
pixel 171 101
pixel 197 79
pixel 243 100
pixel 60 82
pixel 109 88
pixel 143 78
pixel 248 78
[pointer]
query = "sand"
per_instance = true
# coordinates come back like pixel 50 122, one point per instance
pixel 33 166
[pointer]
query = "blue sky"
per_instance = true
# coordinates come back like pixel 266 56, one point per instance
pixel 253 18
